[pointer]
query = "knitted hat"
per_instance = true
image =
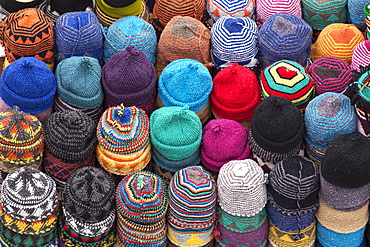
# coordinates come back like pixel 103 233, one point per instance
pixel 78 80
pixel 284 36
pixel 89 194
pixel 78 34
pixel 14 5
pixel 288 79
pixel 164 10
pixel 21 140
pixel 224 140
pixel 218 8
pixel 234 40
pixel 130 31
pixel 235 94
pixel 129 78
pixel 185 82
pixel 330 74
pixel 123 138
pixel 337 40
pixel 277 129
pixel 356 11
pixel 29 84
pixel 28 194
pixel 241 188
pixel 28 33
pixel 360 56
pixel 185 37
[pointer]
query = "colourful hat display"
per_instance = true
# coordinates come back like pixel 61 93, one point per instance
pixel 267 8
pixel 218 8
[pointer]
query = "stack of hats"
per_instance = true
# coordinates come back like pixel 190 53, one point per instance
pixel 234 40
pixel 356 11
pixel 11 6
pixel 79 87
pixel 285 36
pixel 192 207
pixel 327 116
pixel 142 202
pixel 292 201
pixel 242 216
pixel 361 56
pixel 56 8
pixel 267 8
pixel 344 194
pixel 236 94
pixel 28 33
pixel 70 142
pixel 88 215
pixel 288 79
pixel 330 74
pixel 224 140
pixel 176 134
pixel 29 209
pixel 78 34
pixel 123 140
pixel 29 84
pixel 186 82
pixel 319 14
pixel 129 78
pixel 337 40
pixel 21 140
pixel 130 31
pixel 218 8
pixel 277 131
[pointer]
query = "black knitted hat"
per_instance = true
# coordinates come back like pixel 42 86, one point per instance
pixel 14 6
pixel 346 161
pixel 64 6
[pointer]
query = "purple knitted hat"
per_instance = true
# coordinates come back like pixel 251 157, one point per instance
pixel 361 55
pixel 224 140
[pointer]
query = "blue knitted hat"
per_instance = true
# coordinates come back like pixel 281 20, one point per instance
pixel 185 82
pixel 234 40
pixel 130 31
pixel 78 80
pixel 29 84
pixel 285 36
pixel 78 34
pixel 356 11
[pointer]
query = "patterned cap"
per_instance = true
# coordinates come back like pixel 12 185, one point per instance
pixel 234 40
pixel 28 194
pixel 130 31
pixel 356 11
pixel 89 194
pixel 288 79
pixel 267 8
pixel 337 40
pixel 285 36
pixel 361 56
pixel 241 188
pixel 28 33
pixel 330 74
pixel 242 8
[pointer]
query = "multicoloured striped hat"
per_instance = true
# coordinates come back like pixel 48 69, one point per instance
pixel 267 8
pixel 337 40
pixel 356 11
pixel 234 40
pixel 130 31
pixel 218 8
pixel 289 80
pixel 361 56
pixel 285 36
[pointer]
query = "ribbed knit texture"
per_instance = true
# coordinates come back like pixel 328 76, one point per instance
pixel 267 8
pixel 356 11
pixel 360 56
pixel 218 8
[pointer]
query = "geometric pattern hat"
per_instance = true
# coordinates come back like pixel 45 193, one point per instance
pixel 361 56
pixel 218 8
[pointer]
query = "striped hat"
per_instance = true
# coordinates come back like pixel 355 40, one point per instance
pixel 267 8
pixel 356 11
pixel 337 40
pixel 361 56
pixel 330 74
pixel 123 140
pixel 234 40
pixel 289 80
pixel 130 31
pixel 218 8
pixel 284 36
pixel 241 188
pixel 78 34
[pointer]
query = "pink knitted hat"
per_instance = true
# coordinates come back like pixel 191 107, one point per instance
pixel 361 55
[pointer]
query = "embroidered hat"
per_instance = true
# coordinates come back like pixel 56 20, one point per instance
pixel 267 8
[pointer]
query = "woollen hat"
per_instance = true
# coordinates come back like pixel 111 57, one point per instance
pixel 284 36
pixel 185 82
pixel 360 56
pixel 241 188
pixel 184 37
pixel 267 8
pixel 234 40
pixel 28 33
pixel 130 31
pixel 356 11
pixel 235 94
pixel 14 5
pixel 337 40
pixel 218 8
pixel 224 140
pixel 78 33
pixel 288 79
pixel 277 129
pixel 29 84
pixel 330 74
